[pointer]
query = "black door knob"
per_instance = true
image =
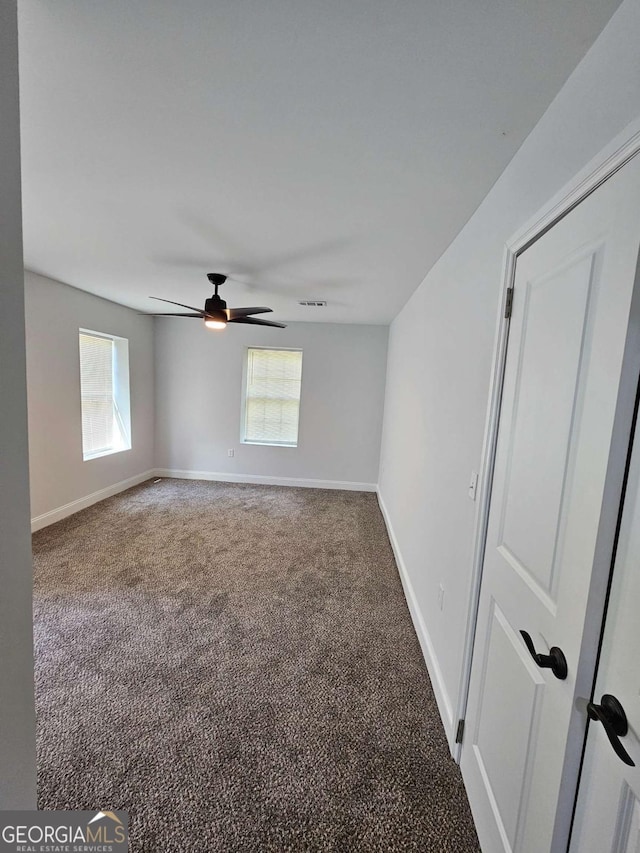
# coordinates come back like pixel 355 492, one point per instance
pixel 612 716
pixel 555 660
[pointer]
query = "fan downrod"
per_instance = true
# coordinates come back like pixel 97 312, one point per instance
pixel 216 279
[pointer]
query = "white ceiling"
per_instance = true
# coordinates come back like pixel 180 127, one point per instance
pixel 320 150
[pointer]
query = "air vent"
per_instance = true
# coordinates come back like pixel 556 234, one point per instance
pixel 313 303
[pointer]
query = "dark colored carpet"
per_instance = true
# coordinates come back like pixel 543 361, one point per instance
pixel 236 666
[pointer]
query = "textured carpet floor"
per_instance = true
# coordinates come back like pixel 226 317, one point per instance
pixel 235 665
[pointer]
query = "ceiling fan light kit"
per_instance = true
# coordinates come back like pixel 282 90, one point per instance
pixel 212 323
pixel 215 314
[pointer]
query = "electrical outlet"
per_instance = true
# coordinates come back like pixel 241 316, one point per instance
pixel 230 452
pixel 441 597
pixel 473 485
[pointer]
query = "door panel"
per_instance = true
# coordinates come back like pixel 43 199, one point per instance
pixel 566 354
pixel 498 735
pixel 544 421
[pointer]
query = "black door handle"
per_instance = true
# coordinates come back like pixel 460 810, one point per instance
pixel 555 660
pixel 612 716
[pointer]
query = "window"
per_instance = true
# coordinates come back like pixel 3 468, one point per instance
pixel 272 397
pixel 104 394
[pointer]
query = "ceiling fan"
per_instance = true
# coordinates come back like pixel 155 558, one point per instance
pixel 215 314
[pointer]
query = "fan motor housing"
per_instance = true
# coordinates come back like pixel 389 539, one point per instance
pixel 214 304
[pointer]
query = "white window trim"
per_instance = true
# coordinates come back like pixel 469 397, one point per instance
pixel 121 392
pixel 243 409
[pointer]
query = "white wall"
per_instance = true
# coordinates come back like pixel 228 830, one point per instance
pixel 17 716
pixel 199 384
pixel 59 476
pixel 440 346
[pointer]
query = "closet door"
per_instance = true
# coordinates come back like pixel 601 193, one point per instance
pixel 608 810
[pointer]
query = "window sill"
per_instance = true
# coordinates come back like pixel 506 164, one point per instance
pixel 268 443
pixel 89 456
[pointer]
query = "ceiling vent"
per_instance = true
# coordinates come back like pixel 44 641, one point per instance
pixel 313 303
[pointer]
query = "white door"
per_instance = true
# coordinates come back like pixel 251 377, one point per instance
pixel 550 520
pixel 608 808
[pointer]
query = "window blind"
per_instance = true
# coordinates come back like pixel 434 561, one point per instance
pixel 96 389
pixel 272 402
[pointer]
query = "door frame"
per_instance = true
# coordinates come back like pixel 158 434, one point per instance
pixel 607 162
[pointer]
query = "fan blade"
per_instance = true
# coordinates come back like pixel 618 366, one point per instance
pixel 145 314
pixel 232 313
pixel 255 322
pixel 181 304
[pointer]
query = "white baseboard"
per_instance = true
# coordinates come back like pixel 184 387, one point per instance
pixel 260 479
pixel 61 512
pixel 435 673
